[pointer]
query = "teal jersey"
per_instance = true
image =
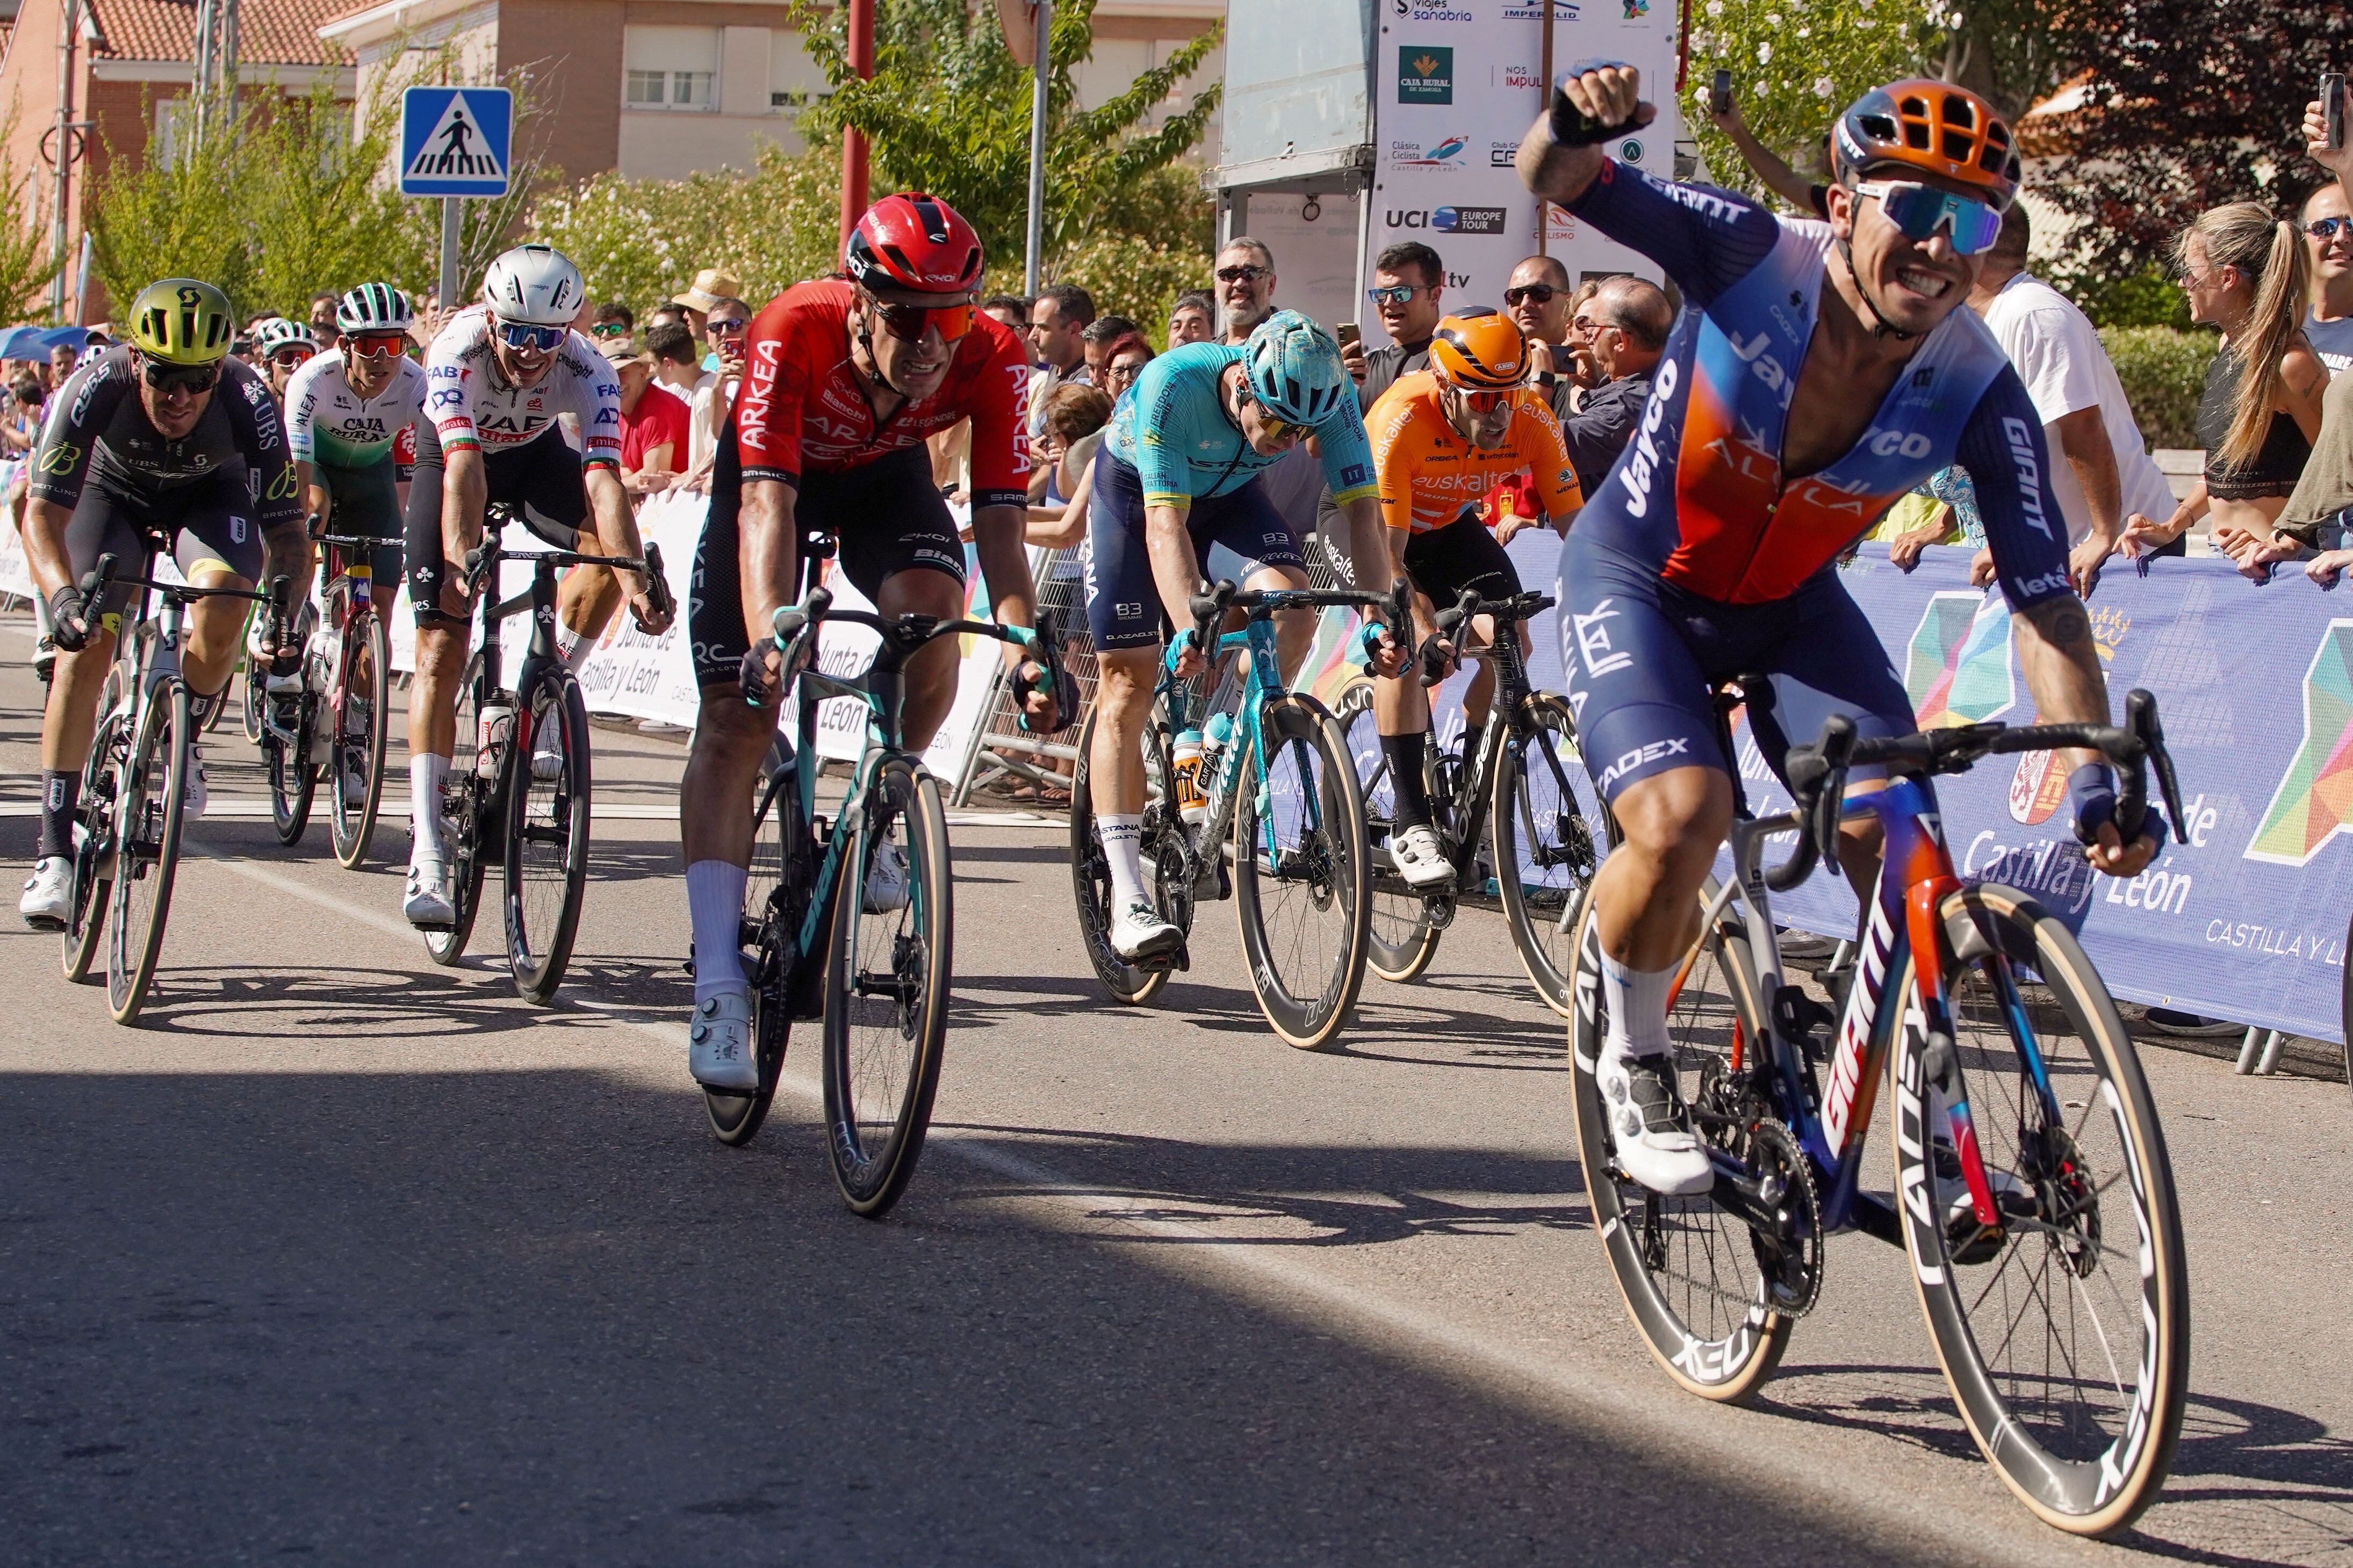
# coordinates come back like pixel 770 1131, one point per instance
pixel 1173 429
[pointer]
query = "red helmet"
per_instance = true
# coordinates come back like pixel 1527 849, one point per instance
pixel 916 243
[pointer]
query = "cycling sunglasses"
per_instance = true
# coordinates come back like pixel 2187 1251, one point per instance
pixel 2324 229
pixel 906 323
pixel 1481 402
pixel 1921 210
pixel 522 335
pixel 1275 429
pixel 291 358
pixel 1396 293
pixel 181 378
pixel 379 345
pixel 1542 293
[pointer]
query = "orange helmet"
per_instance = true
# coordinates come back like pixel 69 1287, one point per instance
pixel 1478 350
pixel 1935 127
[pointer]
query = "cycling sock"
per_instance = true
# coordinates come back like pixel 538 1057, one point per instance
pixel 1471 735
pixel 201 704
pixel 573 648
pixel 1407 782
pixel 425 776
pixel 41 622
pixel 714 911
pixel 1638 1009
pixel 60 793
pixel 1122 842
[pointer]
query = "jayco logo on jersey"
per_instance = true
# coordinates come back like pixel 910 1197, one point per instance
pixel 1638 474
pixel 1907 444
pixel 2030 472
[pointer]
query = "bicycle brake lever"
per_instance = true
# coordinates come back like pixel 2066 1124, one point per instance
pixel 658 592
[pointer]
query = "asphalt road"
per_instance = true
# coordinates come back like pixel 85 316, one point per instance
pixel 344 1257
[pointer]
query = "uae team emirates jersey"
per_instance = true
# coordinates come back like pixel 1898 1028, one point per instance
pixel 803 410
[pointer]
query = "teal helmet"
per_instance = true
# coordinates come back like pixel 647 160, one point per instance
pixel 1294 370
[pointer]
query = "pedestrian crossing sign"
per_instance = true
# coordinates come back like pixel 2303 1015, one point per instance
pixel 454 140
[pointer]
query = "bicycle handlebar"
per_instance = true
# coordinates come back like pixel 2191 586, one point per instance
pixel 794 629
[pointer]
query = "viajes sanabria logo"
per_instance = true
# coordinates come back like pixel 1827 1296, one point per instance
pixel 1425 74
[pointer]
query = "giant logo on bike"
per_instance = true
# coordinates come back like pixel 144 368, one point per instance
pixel 2315 796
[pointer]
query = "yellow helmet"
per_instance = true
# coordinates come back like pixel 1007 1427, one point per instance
pixel 181 321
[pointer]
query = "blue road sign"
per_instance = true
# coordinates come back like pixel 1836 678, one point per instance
pixel 454 140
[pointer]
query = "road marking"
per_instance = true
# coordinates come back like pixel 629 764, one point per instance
pixel 239 809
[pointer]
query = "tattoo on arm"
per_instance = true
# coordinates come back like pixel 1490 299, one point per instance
pixel 2061 621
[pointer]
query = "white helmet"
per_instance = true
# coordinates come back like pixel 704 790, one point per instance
pixel 373 308
pixel 534 285
pixel 279 332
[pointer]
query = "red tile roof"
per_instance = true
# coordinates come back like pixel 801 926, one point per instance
pixel 268 32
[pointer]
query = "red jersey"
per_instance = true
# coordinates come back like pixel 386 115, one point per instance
pixel 802 408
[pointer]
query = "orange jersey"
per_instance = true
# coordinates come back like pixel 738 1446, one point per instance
pixel 1429 476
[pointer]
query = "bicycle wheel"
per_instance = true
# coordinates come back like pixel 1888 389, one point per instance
pixel 1299 875
pixel 547 837
pixel 147 817
pixel 293 781
pixel 886 994
pixel 94 836
pixel 1166 867
pixel 1401 938
pixel 1688 1271
pixel 362 736
pixel 2066 1340
pixel 465 833
pixel 771 916
pixel 1551 823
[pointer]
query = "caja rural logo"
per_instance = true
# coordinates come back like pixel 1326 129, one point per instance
pixel 2314 797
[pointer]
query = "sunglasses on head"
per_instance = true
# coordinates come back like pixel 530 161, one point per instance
pixel 181 378
pixel 906 323
pixel 1396 293
pixel 1542 293
pixel 1921 210
pixel 522 335
pixel 378 345
pixel 1250 273
pixel 2327 228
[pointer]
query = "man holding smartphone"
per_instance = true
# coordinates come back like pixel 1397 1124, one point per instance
pixel 2327 220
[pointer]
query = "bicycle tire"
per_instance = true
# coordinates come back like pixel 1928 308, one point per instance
pixel 769 920
pixel 1322 857
pixel 879 1080
pixel 2086 1474
pixel 354 831
pixel 255 706
pixel 1714 1336
pixel 1164 857
pixel 469 857
pixel 546 837
pixel 149 818
pixel 1522 792
pixel 1401 938
pixel 86 919
pixel 293 781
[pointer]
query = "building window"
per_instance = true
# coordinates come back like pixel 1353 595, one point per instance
pixel 670 69
pixel 670 89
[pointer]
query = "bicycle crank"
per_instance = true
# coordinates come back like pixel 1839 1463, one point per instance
pixel 1789 1240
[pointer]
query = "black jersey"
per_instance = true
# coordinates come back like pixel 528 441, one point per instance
pixel 101 434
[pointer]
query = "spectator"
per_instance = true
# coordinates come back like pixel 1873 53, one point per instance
pixel 1809 198
pixel 613 323
pixel 1539 297
pixel 2244 273
pixel 1103 334
pixel 20 428
pixel 323 322
pixel 1010 310
pixel 1629 320
pixel 710 285
pixel 2101 471
pixel 1193 319
pixel 653 424
pixel 1076 415
pixel 2320 511
pixel 1057 317
pixel 61 364
pixel 715 395
pixel 1245 275
pixel 1123 367
pixel 2328 237
pixel 1409 281
pixel 678 363
pixel 671 315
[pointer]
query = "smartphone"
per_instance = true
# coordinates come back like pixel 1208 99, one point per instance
pixel 1719 93
pixel 1350 332
pixel 2332 110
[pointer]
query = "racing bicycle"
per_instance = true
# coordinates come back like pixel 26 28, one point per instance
pixel 1526 786
pixel 523 801
pixel 334 725
pixel 2032 1195
pixel 875 965
pixel 134 786
pixel 1274 779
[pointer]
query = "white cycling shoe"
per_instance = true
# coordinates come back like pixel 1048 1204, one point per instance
pixel 49 894
pixel 1653 1145
pixel 198 792
pixel 719 1043
pixel 1138 933
pixel 1420 859
pixel 355 783
pixel 547 751
pixel 886 880
pixel 428 907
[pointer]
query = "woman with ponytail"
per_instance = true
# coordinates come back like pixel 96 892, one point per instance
pixel 2247 273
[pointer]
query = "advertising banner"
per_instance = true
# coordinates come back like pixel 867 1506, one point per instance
pixel 1456 86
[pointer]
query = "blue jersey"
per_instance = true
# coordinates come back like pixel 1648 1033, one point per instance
pixel 1700 496
pixel 1173 429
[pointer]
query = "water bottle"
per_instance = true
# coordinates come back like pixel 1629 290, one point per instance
pixel 1214 736
pixel 496 729
pixel 1187 756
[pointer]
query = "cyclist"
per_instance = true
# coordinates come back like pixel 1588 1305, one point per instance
pixel 351 418
pixel 1176 475
pixel 1819 371
pixel 158 445
pixel 282 347
pixel 498 378
pixel 1441 440
pixel 846 377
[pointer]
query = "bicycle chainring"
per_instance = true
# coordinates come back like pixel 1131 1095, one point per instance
pixel 1791 1254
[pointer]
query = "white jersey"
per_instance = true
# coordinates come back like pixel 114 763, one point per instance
pixel 471 404
pixel 327 422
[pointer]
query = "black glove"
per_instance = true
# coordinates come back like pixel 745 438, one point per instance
pixel 69 624
pixel 1571 126
pixel 753 678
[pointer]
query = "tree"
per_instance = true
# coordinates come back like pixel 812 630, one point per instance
pixel 27 261
pixel 2188 106
pixel 948 110
pixel 323 214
